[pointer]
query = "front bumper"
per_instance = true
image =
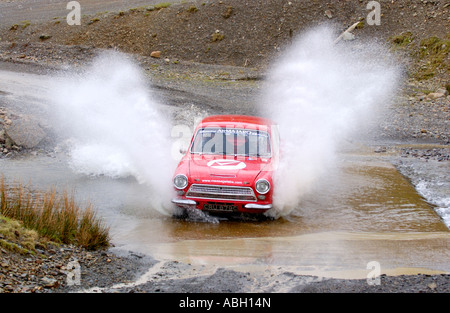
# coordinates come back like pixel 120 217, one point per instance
pixel 249 207
pixel 254 206
pixel 185 203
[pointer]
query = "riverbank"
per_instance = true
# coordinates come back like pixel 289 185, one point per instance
pixel 55 271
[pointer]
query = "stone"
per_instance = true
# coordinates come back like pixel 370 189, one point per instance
pixel 25 132
pixel 155 54
pixel 328 14
pixel 2 136
pixel 44 37
pixel 442 91
pixel 435 95
pixel 49 282
pixel 347 36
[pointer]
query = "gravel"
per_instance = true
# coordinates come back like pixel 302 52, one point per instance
pixel 69 269
pixel 54 269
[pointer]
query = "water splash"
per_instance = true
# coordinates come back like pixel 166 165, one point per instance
pixel 320 93
pixel 116 125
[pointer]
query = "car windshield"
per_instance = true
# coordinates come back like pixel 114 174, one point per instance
pixel 232 141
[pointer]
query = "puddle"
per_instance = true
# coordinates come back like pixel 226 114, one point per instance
pixel 366 212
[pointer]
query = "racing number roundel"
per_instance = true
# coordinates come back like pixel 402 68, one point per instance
pixel 226 164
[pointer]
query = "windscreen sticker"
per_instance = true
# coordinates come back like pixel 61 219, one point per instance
pixel 233 131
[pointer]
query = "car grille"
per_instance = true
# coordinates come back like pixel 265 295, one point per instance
pixel 221 192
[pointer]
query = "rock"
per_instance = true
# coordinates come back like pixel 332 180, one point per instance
pixel 328 14
pixel 49 282
pixel 348 36
pixel 155 54
pixel 2 136
pixel 8 143
pixel 25 132
pixel 435 95
pixel 44 37
pixel 442 91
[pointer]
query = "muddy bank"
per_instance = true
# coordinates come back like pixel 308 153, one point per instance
pixel 55 268
pixel 55 271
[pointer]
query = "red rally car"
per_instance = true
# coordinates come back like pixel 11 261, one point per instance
pixel 229 165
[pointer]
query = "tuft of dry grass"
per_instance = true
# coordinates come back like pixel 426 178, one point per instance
pixel 57 217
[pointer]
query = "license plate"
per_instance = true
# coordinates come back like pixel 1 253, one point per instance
pixel 219 207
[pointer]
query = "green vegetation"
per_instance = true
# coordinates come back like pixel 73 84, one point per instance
pixel 25 24
pixel 12 232
pixel 402 40
pixel 360 25
pixel 228 12
pixel 162 5
pixel 217 37
pixel 433 52
pixel 44 37
pixel 159 6
pixel 430 54
pixel 192 9
pixel 56 217
pixel 94 20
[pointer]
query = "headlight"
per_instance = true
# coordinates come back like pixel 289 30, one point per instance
pixel 262 186
pixel 180 181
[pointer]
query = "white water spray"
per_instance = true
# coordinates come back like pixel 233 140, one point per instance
pixel 319 94
pixel 116 126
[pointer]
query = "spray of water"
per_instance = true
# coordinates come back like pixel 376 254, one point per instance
pixel 319 94
pixel 116 126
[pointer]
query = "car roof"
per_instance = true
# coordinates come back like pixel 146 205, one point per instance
pixel 245 121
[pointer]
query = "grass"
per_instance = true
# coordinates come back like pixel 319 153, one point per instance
pixel 25 24
pixel 192 9
pixel 159 6
pixel 430 54
pixel 217 37
pixel 16 238
pixel 56 217
pixel 433 51
pixel 402 40
pixel 162 5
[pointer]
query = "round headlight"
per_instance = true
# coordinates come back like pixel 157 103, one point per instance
pixel 262 186
pixel 180 181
